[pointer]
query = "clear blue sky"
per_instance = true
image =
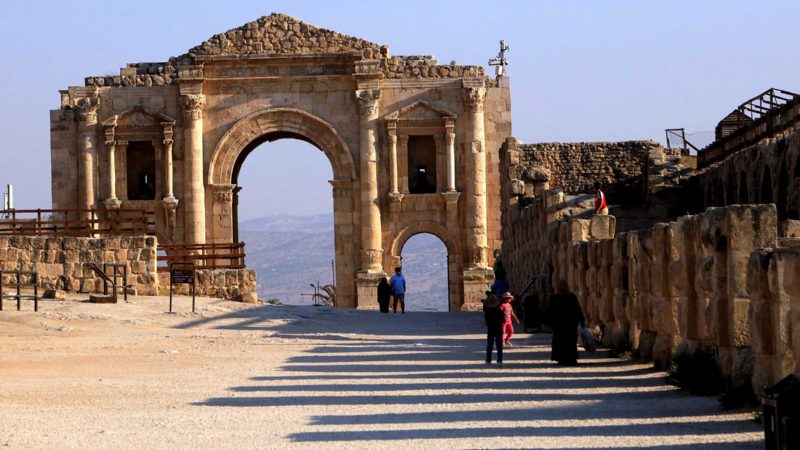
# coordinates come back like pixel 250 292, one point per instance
pixel 580 70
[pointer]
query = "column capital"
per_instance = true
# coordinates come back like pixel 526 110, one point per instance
pixel 474 98
pixel 192 105
pixel 368 101
pixel 223 193
pixel 170 203
pixel 112 203
pixel 87 110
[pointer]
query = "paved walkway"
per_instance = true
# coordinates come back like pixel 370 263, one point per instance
pixel 316 378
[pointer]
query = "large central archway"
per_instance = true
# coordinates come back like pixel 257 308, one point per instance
pixel 267 125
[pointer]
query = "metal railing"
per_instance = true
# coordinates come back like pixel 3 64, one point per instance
pixel 76 222
pixel 771 112
pixel 205 256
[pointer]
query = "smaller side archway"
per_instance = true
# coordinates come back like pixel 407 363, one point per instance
pixel 454 266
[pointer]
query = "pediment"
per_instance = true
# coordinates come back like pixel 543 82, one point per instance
pixel 138 117
pixel 280 34
pixel 420 111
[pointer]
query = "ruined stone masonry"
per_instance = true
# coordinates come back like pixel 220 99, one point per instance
pixel 724 277
pixel 414 145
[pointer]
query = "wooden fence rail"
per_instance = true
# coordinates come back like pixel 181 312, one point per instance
pixel 205 256
pixel 76 222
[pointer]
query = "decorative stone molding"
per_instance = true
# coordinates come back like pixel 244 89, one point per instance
pixel 192 106
pixel 368 101
pixel 223 193
pixel 87 109
pixel 474 98
pixel 190 73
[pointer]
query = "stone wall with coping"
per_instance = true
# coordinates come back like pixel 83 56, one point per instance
pixel 61 261
pixel 716 280
pixel 229 284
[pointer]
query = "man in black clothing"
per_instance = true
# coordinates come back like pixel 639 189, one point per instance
pixel 494 328
pixel 565 314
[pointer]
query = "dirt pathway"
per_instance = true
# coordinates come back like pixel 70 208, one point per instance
pixel 78 375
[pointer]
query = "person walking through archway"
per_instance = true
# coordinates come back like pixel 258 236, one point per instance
pixel 398 284
pixel 494 318
pixel 564 315
pixel 508 314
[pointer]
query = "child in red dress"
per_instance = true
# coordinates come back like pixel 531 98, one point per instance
pixel 508 311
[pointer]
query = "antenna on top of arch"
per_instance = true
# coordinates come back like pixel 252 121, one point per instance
pixel 500 62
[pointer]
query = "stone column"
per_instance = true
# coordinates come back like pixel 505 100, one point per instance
pixel 371 246
pixel 194 187
pixel 450 139
pixel 393 156
pixel 475 187
pixel 112 202
pixel 169 201
pixel 169 189
pixel 87 151
pixel 477 276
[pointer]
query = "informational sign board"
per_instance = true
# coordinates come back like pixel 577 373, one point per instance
pixel 182 276
pixel 181 273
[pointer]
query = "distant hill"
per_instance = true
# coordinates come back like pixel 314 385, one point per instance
pixel 290 252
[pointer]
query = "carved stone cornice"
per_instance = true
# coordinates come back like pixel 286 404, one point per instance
pixel 368 101
pixel 87 109
pixel 192 106
pixel 474 98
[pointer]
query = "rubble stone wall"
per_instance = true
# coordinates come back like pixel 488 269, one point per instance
pixel 575 167
pixel 61 261
pixel 229 284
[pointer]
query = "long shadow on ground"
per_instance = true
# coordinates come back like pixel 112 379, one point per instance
pixel 342 379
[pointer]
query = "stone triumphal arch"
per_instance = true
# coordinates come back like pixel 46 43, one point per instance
pixel 414 145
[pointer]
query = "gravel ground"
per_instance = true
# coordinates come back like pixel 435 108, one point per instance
pixel 78 375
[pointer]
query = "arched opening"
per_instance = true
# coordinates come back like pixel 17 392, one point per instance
pixel 274 124
pixel 783 192
pixel 283 210
pixel 766 187
pixel 743 189
pixel 731 189
pixel 424 259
